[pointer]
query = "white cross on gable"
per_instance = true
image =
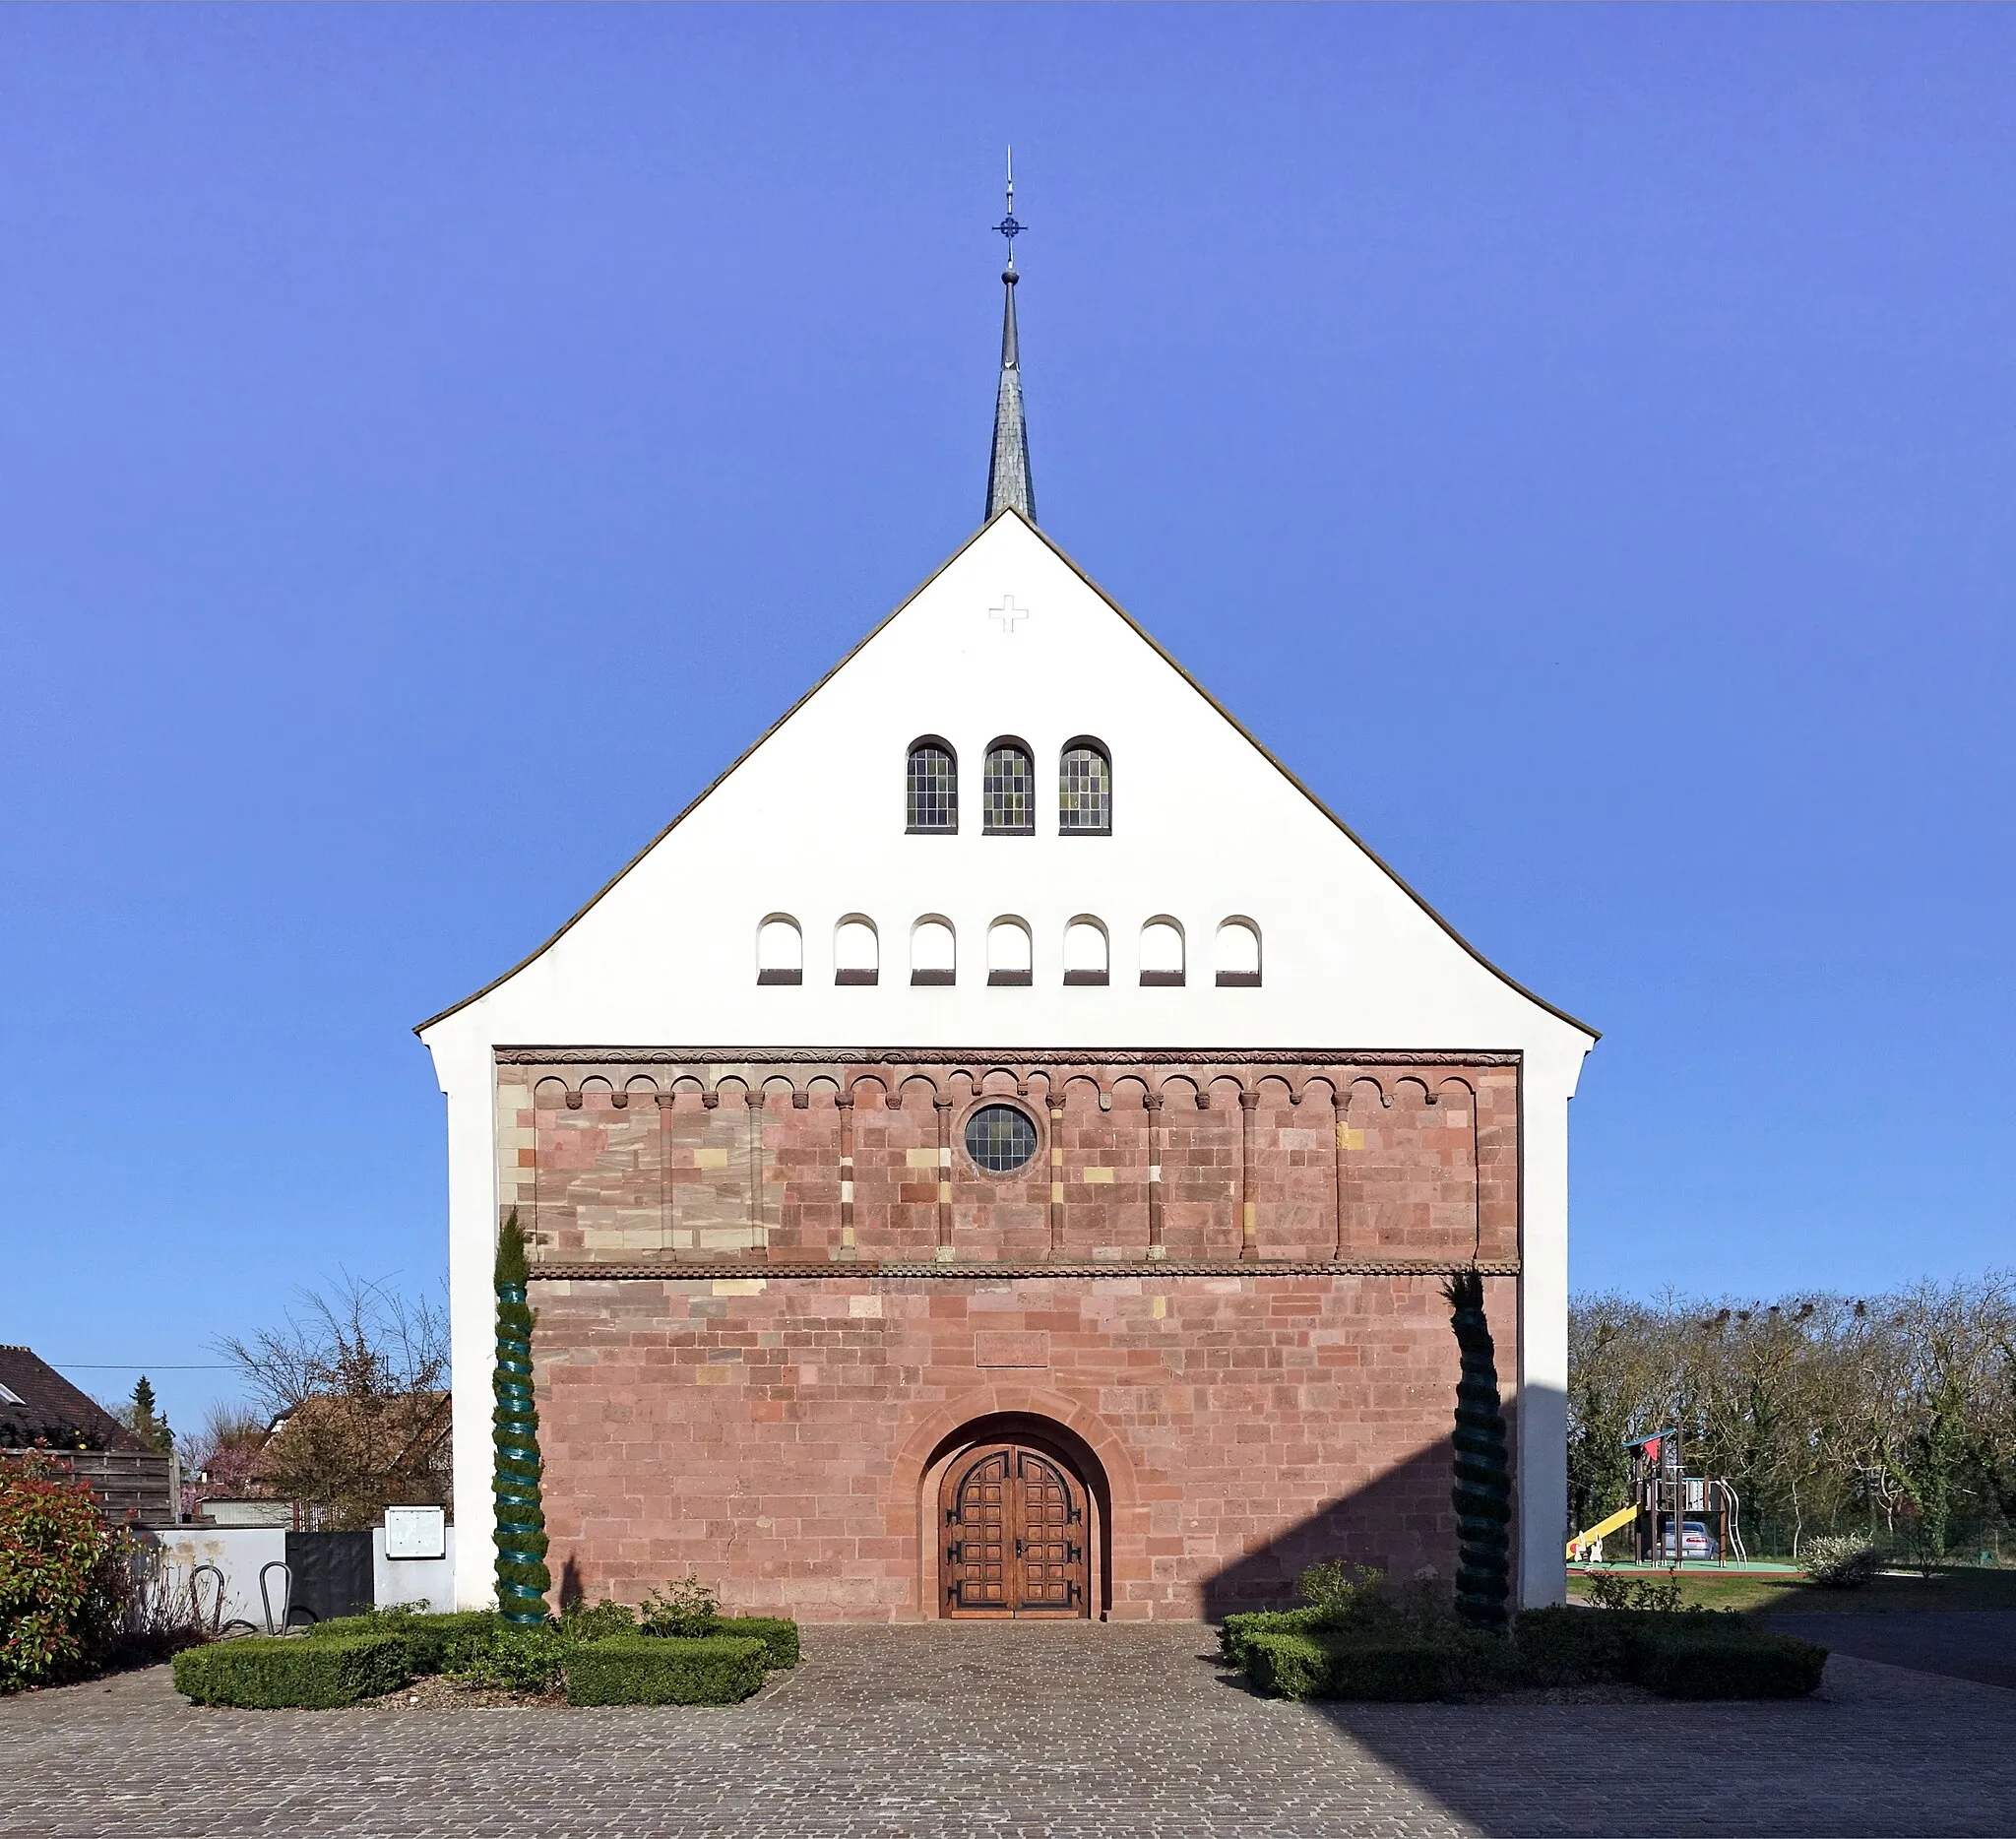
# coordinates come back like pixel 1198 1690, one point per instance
pixel 1008 613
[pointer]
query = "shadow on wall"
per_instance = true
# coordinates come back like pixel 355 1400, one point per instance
pixel 1396 1524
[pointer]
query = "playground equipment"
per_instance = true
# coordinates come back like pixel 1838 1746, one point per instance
pixel 1673 1516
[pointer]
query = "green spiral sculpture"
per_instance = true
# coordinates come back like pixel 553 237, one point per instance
pixel 1483 1494
pixel 522 1576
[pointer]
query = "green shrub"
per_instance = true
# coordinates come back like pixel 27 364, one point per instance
pixel 779 1635
pixel 1729 1662
pixel 1610 1592
pixel 64 1580
pixel 643 1670
pixel 1338 1591
pixel 267 1672
pixel 1574 1646
pixel 1232 1634
pixel 1293 1663
pixel 686 1608
pixel 427 1638
pixel 578 1623
pixel 1841 1562
pixel 506 1657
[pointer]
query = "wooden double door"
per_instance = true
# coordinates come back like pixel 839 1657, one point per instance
pixel 1017 1538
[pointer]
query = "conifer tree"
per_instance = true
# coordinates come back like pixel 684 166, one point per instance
pixel 523 1579
pixel 149 1423
pixel 1483 1494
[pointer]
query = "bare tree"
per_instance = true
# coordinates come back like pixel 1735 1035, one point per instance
pixel 1895 1414
pixel 355 1384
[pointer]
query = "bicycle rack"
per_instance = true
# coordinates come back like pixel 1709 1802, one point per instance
pixel 287 1601
pixel 217 1609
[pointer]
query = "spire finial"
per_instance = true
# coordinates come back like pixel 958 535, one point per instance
pixel 1008 473
pixel 1008 226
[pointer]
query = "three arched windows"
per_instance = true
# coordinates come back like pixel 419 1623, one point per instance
pixel 1084 788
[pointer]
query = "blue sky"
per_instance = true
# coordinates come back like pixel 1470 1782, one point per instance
pixel 1580 442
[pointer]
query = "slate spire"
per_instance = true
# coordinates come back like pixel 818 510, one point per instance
pixel 1008 470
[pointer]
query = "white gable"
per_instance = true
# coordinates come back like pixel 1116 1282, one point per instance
pixel 1007 639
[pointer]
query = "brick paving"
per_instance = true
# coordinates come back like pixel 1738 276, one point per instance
pixel 913 1732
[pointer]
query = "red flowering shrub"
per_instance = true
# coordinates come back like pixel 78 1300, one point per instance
pixel 63 1578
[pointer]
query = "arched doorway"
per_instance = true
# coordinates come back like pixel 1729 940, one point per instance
pixel 1017 1536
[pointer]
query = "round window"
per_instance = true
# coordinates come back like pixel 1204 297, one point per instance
pixel 1001 1138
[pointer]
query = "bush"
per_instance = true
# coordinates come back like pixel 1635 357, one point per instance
pixel 1729 1662
pixel 1841 1562
pixel 428 1638
pixel 1610 1592
pixel 265 1671
pixel 578 1623
pixel 642 1669
pixel 1293 1663
pixel 780 1636
pixel 1689 1655
pixel 63 1578
pixel 1234 1631
pixel 686 1608
pixel 506 1657
pixel 1574 1646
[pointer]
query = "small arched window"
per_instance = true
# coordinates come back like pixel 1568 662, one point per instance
pixel 856 952
pixel 779 951
pixel 1008 790
pixel 1085 791
pixel 1008 953
pixel 1086 951
pixel 933 951
pixel 1161 951
pixel 1238 954
pixel 931 787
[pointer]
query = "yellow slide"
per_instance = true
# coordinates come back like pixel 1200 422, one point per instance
pixel 1622 1517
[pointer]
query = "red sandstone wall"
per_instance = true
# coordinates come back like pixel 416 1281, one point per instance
pixel 618 1162
pixel 772 1435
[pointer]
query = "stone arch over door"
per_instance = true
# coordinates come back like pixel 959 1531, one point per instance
pixel 1015 1475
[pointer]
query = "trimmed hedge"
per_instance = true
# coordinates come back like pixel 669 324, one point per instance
pixel 1577 1647
pixel 427 1638
pixel 269 1671
pixel 1290 1655
pixel 1287 1663
pixel 780 1636
pixel 1731 1663
pixel 665 1669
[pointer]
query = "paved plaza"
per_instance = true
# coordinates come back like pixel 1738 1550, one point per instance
pixel 946 1730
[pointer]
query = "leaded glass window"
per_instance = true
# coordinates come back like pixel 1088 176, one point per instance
pixel 1001 1138
pixel 933 786
pixel 1008 790
pixel 1084 789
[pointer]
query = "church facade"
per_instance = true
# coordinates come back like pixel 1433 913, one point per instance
pixel 999 1150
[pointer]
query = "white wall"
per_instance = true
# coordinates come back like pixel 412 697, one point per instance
pixel 239 1551
pixel 396 1581
pixel 812 824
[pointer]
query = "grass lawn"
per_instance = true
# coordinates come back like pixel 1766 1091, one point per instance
pixel 1961 1587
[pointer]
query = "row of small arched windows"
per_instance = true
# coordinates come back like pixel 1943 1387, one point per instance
pixel 1084 788
pixel 1011 957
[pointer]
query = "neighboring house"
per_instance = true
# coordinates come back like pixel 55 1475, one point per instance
pixel 343 1460
pixel 40 1409
pixel 1000 1150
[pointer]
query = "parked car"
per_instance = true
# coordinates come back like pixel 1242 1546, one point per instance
pixel 1700 1543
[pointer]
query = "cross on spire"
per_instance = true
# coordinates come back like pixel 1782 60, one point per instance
pixel 1008 226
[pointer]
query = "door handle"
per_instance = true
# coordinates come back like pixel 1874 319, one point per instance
pixel 1017 1549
